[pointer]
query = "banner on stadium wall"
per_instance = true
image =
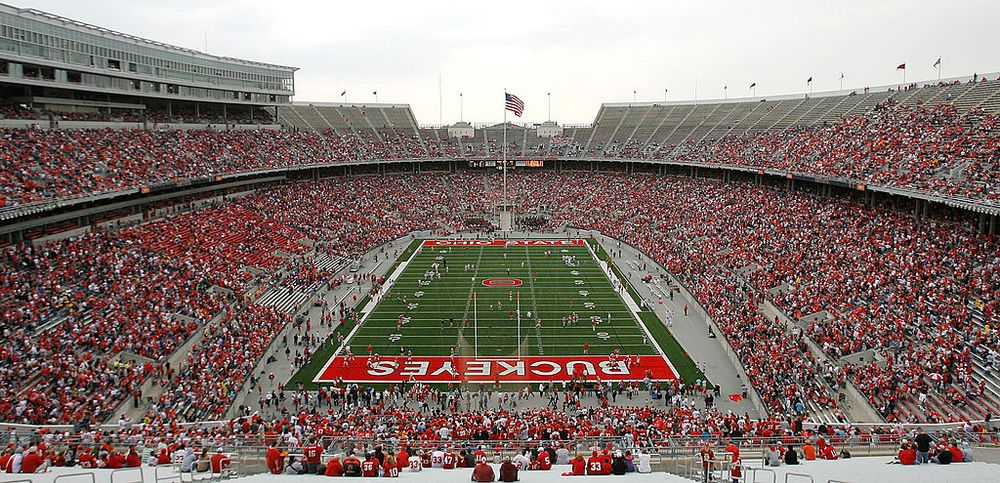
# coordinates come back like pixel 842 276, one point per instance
pixel 435 369
pixel 500 243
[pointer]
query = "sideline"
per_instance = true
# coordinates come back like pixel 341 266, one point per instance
pixel 367 310
pixel 630 302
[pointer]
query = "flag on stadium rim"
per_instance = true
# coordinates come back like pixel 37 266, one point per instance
pixel 513 104
pixel 901 66
pixel 938 62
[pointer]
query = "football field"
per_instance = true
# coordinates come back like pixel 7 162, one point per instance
pixel 507 311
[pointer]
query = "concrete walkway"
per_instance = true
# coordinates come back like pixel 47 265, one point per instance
pixel 690 330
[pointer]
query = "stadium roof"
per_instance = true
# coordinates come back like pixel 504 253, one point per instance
pixel 800 95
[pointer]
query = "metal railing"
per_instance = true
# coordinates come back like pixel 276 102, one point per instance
pixel 86 476
pixel 752 474
pixel 798 475
pixel 119 471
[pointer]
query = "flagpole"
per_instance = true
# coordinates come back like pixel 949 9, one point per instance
pixel 550 106
pixel 519 325
pixel 461 108
pixel 505 149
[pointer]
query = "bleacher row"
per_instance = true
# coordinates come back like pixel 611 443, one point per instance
pixel 291 291
pixel 939 139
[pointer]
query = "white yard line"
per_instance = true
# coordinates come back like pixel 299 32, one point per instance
pixel 367 310
pixel 633 307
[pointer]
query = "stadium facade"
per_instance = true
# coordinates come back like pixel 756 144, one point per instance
pixel 66 65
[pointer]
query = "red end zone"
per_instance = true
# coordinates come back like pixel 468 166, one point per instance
pixel 500 243
pixel 364 369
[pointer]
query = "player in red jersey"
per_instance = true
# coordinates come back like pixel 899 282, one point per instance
pixel 313 454
pixel 448 461
pixel 369 467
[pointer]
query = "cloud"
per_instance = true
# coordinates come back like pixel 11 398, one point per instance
pixel 584 52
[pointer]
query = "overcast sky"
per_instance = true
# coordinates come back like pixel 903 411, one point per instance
pixel 583 52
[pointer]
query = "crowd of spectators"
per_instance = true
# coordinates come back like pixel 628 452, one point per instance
pixel 365 429
pixel 933 149
pixel 71 307
pixel 212 373
pixel 891 284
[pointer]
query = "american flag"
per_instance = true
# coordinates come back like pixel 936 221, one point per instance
pixel 514 104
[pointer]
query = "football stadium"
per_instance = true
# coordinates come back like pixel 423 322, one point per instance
pixel 223 258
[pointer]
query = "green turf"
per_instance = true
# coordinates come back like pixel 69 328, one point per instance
pixel 551 291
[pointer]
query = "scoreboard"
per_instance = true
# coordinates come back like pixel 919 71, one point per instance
pixel 491 163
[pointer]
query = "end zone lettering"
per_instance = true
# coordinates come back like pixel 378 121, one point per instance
pixel 364 369
pixel 500 243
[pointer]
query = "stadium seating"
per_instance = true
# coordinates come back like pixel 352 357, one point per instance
pixel 900 139
pixel 917 316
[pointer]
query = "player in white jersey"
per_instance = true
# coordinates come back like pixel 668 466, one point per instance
pixel 437 458
pixel 522 461
pixel 414 463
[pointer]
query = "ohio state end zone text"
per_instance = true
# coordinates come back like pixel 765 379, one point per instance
pixel 488 370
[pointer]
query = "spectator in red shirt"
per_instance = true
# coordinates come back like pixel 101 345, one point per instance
pixel 33 462
pixel 220 461
pixel 313 454
pixel 907 453
pixel 275 460
pixel 595 465
pixel 334 468
pixel 369 467
pixel 132 459
pixel 956 453
pixel 483 473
